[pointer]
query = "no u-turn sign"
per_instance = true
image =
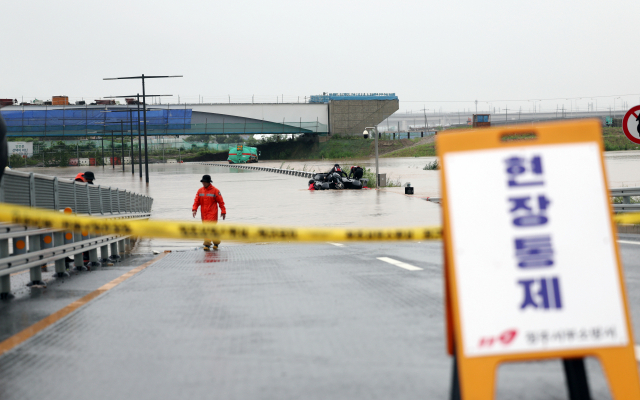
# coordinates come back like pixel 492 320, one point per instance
pixel 631 124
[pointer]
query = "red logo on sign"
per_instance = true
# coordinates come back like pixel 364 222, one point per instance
pixel 505 338
pixel 631 124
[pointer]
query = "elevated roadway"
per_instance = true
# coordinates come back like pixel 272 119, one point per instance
pixel 258 321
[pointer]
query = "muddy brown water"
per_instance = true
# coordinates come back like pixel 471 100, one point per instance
pixel 266 198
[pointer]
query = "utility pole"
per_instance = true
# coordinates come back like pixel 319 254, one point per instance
pixel 424 110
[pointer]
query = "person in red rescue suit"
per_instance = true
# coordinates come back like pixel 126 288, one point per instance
pixel 208 199
pixel 85 177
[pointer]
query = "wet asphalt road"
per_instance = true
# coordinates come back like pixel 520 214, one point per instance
pixel 262 321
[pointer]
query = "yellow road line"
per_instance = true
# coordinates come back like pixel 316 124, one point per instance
pixel 31 331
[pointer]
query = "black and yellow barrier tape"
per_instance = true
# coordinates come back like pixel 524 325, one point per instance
pixel 41 218
pixel 21 215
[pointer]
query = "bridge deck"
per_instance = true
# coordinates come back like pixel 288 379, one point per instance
pixel 260 321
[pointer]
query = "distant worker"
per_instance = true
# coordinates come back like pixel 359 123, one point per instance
pixel 85 177
pixel 356 172
pixel 208 198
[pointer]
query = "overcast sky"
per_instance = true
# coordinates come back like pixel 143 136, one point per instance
pixel 423 51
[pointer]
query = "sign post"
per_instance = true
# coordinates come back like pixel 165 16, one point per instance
pixel 631 124
pixel 530 274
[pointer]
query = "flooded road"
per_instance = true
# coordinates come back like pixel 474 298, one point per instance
pixel 265 198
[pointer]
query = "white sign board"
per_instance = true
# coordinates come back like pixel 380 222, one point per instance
pixel 534 252
pixel 21 148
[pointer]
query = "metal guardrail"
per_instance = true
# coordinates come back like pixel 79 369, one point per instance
pixel 34 248
pixel 303 174
pixel 35 190
pixel 625 193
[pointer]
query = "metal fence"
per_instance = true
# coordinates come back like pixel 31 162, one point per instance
pixel 35 190
pixel 33 248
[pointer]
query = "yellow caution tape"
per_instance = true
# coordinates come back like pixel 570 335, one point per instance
pixel 29 216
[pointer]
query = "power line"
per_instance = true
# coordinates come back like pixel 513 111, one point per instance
pixel 536 99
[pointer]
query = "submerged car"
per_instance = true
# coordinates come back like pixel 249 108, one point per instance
pixel 335 180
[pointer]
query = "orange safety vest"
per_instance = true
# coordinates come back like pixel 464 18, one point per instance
pixel 208 199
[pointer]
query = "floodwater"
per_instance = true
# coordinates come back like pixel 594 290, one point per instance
pixel 265 198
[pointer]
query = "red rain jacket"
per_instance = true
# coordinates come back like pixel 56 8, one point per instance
pixel 208 199
pixel 80 177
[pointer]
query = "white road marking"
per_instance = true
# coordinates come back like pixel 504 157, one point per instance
pixel 336 244
pixel 637 352
pixel 628 242
pixel 399 264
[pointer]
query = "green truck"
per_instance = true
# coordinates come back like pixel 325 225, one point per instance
pixel 243 154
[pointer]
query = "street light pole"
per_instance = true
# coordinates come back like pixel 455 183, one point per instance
pixel 113 152
pixel 133 165
pixel 139 130
pixel 144 111
pixel 374 129
pixel 122 143
pixel 144 115
pixel 139 139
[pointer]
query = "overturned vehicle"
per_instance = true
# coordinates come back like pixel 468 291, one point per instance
pixel 339 180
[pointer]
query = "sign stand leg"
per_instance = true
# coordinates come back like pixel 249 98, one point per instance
pixel 455 381
pixel 620 366
pixel 576 375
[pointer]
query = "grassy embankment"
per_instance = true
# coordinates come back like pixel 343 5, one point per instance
pixel 613 138
pixel 421 150
pixel 334 149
